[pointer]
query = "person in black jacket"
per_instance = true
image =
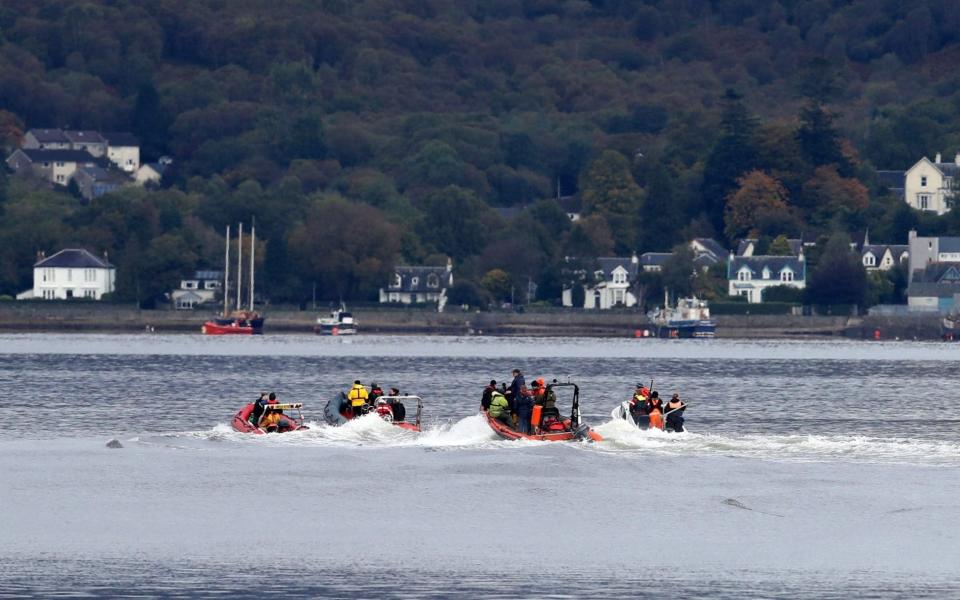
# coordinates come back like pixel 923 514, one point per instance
pixel 488 394
pixel 674 411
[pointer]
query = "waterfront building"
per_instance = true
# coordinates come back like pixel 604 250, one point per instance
pixel 749 276
pixel 928 185
pixel 419 284
pixel 202 288
pixel 610 286
pixel 71 273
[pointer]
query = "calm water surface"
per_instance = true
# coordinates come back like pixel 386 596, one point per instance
pixel 817 469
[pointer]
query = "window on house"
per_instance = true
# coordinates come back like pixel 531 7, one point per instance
pixel 60 178
pixel 786 275
pixel 766 273
pixel 433 281
pixel 89 294
pixel 744 275
pixel 69 274
pixel 211 285
pixel 89 275
pixel 397 281
pixel 923 181
pixel 923 201
pixel 414 281
pixel 869 260
pixel 46 165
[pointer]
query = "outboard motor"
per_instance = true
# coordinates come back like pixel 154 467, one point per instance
pixel 582 432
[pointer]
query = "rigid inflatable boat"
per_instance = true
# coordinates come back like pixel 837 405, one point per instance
pixel 547 425
pixel 392 409
pixel 241 420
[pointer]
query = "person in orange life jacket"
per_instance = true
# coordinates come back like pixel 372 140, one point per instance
pixel 487 394
pixel 273 419
pixel 675 418
pixel 654 409
pixel 638 408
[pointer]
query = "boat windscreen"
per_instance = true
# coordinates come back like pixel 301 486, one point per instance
pixel 285 405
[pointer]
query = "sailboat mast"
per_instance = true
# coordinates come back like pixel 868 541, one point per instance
pixel 239 264
pixel 253 249
pixel 226 276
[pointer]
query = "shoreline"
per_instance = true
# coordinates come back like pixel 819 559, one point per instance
pixel 97 318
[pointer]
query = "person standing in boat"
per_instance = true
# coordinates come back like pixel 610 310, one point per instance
pixel 358 399
pixel 257 411
pixel 638 406
pixel 375 392
pixel 399 410
pixel 674 411
pixel 522 401
pixel 654 409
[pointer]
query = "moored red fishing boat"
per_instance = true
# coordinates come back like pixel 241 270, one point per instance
pixel 392 409
pixel 547 425
pixel 240 322
pixel 243 423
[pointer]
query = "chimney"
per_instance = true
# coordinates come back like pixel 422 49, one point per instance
pixel 634 258
pixel 937 159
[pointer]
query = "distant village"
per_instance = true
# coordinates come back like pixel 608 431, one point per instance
pixel 97 163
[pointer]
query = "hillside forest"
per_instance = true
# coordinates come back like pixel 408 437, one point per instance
pixel 363 134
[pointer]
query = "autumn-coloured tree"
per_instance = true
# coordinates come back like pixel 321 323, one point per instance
pixel 828 194
pixel 758 196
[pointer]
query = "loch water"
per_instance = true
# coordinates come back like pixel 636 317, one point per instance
pixel 810 469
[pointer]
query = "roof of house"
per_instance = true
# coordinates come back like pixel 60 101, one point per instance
pixel 80 136
pixel 950 169
pixel 73 258
pixel 101 175
pixel 570 204
pixel 408 274
pixel 948 244
pixel 608 264
pixel 157 167
pixel 796 245
pixel 932 289
pixel 121 138
pixel 654 259
pixel 38 155
pixel 774 263
pixel 879 249
pixel 209 274
pixel 49 135
pixel 713 247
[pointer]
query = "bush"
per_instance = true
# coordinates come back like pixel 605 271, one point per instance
pixel 783 293
pixel 742 308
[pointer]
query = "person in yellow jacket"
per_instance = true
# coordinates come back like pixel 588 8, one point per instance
pixel 271 420
pixel 500 409
pixel 358 398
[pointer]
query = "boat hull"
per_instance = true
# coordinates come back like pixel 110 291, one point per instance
pixel 233 327
pixel 332 329
pixel 508 433
pixel 241 422
pixel 687 329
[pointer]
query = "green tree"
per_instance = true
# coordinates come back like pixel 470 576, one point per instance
pixel 678 271
pixel 456 222
pixel 497 282
pixel 607 188
pixel 839 277
pixel 780 247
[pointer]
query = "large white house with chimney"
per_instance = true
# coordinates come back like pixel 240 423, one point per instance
pixel 928 185
pixel 71 273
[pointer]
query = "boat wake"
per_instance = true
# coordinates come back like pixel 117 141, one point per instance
pixel 621 437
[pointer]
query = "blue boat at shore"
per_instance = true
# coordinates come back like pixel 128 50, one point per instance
pixel 690 318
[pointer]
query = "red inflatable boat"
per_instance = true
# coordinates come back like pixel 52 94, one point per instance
pixel 241 420
pixel 547 427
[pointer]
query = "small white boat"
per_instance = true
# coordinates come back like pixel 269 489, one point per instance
pixel 340 322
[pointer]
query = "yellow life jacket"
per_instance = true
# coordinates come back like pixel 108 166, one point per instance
pixel 357 395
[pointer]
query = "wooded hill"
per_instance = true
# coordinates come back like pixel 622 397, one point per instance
pixel 366 133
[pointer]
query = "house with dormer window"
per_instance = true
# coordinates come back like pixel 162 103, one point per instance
pixel 203 287
pixel 749 276
pixel 69 274
pixel 610 284
pixel 928 185
pixel 416 285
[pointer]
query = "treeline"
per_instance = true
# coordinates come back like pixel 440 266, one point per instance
pixel 373 132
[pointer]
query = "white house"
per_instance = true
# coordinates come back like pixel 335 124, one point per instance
pixel 91 141
pixel 928 184
pixel 883 257
pixel 152 172
pixel 934 272
pixel 749 276
pixel 611 285
pixel 71 273
pixel 46 139
pixel 55 166
pixel 411 285
pixel 204 287
pixel 123 150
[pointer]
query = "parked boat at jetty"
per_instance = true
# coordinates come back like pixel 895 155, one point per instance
pixel 242 423
pixel 547 424
pixel 690 318
pixel 238 322
pixel 392 409
pixel 340 322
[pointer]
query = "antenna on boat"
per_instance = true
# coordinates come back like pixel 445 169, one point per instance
pixel 239 264
pixel 226 276
pixel 253 246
